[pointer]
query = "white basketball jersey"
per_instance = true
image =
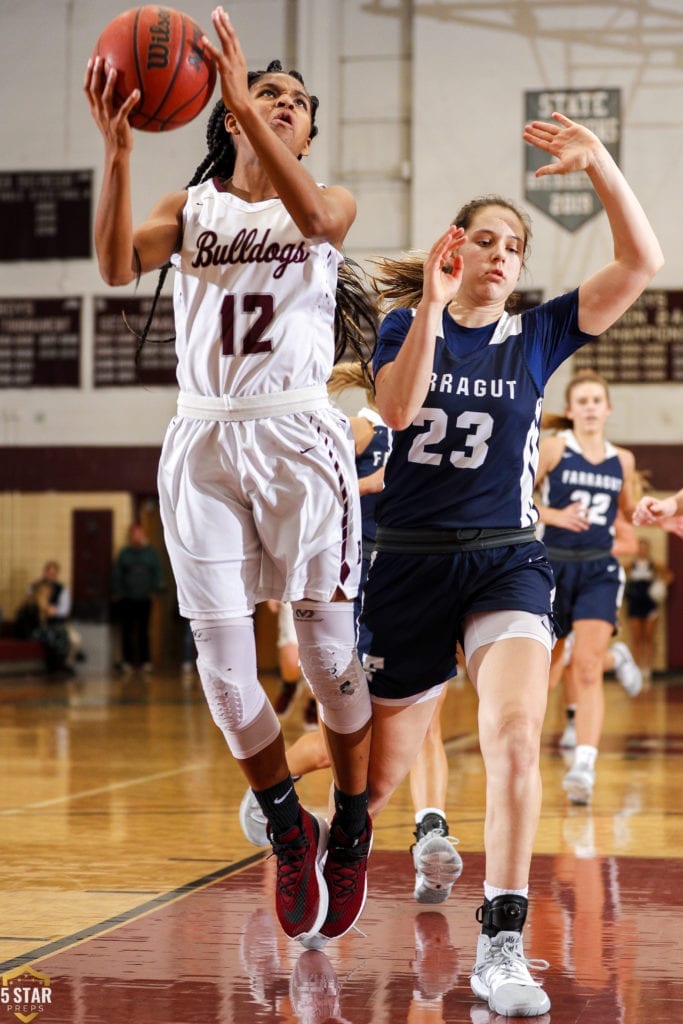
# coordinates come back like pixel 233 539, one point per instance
pixel 254 300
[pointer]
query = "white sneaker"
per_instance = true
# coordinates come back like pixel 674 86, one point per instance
pixel 253 820
pixel 578 832
pixel 437 865
pixel 314 988
pixel 260 958
pixel 578 783
pixel 436 963
pixel 568 737
pixel 480 1014
pixel 501 976
pixel 626 670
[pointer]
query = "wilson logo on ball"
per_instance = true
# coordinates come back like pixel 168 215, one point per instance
pixel 160 34
pixel 158 50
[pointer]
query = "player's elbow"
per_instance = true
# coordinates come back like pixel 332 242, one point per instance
pixel 115 276
pixel 320 225
pixel 397 417
pixel 650 263
pixel 658 260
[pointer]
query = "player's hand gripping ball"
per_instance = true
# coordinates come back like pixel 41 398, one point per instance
pixel 158 50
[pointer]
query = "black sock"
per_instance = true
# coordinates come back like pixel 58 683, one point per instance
pixel 506 913
pixel 280 805
pixel 351 812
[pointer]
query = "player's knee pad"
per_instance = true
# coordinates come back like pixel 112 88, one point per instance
pixel 327 653
pixel 226 662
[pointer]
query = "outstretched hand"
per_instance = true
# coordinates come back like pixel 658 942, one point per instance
pixel 230 61
pixel 651 511
pixel 573 145
pixel 99 87
pixel 442 273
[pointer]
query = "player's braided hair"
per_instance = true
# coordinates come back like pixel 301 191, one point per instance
pixel 398 281
pixel 355 315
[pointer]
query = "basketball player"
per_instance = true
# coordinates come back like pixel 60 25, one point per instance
pixel 257 481
pixel 460 381
pixel 437 863
pixel 584 481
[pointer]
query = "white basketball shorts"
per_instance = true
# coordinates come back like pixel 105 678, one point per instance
pixel 259 508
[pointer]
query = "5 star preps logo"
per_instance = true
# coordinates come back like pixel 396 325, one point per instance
pixel 25 993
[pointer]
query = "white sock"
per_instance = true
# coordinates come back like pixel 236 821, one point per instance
pixel 586 755
pixel 491 891
pixel 424 811
pixel 619 656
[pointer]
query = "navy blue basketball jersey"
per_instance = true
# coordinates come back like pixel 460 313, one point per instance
pixel 469 457
pixel 369 461
pixel 596 486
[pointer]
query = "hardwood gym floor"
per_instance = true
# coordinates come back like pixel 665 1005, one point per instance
pixel 129 894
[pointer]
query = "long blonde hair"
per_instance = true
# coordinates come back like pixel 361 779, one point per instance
pixel 352 375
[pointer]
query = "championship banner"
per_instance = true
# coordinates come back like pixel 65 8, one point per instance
pixel 569 198
pixel 644 346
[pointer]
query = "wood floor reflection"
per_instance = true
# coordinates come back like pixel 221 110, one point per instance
pixel 128 885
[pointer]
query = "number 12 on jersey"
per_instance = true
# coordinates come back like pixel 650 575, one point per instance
pixel 241 332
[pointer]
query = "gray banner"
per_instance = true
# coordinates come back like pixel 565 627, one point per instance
pixel 569 198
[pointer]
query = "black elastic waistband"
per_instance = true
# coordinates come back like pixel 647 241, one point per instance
pixel 434 542
pixel 368 546
pixel 577 554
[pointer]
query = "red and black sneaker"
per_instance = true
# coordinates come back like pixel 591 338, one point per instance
pixel 301 899
pixel 346 875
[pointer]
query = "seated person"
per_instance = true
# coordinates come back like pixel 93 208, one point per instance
pixel 59 606
pixel 33 622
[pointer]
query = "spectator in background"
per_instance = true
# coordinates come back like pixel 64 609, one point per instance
pixel 59 597
pixel 137 577
pixel 33 622
pixel 58 607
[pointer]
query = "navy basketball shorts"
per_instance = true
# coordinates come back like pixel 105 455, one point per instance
pixel 587 590
pixel 414 606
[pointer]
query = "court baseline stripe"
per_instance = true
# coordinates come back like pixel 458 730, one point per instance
pixel 144 908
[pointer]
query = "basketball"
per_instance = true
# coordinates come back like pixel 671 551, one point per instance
pixel 158 50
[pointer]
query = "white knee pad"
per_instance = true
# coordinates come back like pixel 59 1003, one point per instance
pixel 328 658
pixel 226 662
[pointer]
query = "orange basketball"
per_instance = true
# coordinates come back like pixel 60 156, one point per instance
pixel 158 50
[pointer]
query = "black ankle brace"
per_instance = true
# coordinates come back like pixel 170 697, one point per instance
pixel 506 913
pixel 429 822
